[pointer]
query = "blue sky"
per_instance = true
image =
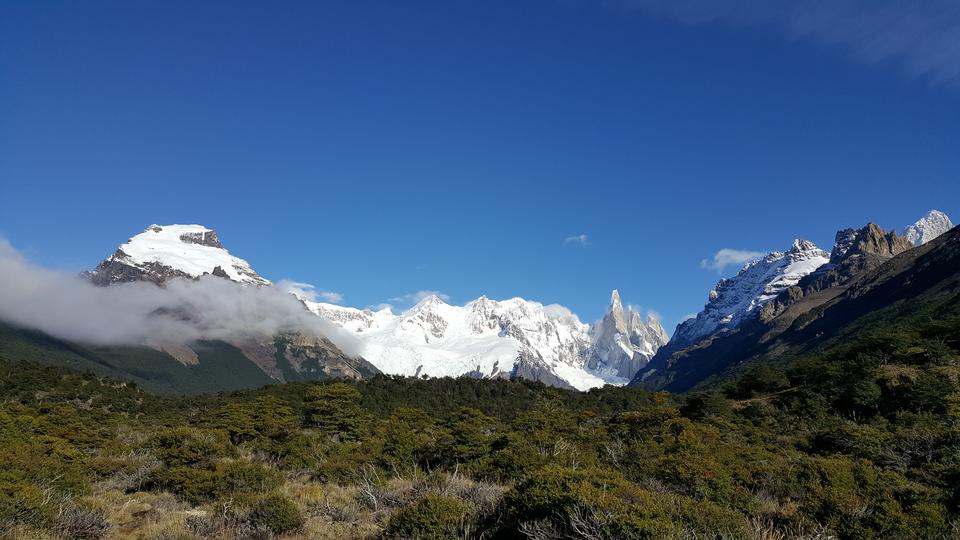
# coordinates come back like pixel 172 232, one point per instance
pixel 553 150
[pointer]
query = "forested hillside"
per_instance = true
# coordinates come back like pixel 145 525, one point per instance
pixel 860 440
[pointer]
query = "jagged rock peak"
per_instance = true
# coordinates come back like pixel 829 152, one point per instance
pixel 615 302
pixel 801 245
pixel 869 240
pixel 927 228
pixel 623 342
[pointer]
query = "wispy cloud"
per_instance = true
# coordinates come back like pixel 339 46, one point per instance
pixel 306 291
pixel 921 35
pixel 727 257
pixel 577 240
pixel 415 297
pixel 645 313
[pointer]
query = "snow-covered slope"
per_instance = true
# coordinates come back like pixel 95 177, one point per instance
pixel 928 227
pixel 485 338
pixel 163 252
pixel 736 298
pixel 623 342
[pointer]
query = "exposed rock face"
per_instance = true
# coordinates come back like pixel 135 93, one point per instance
pixel 868 242
pixel 117 269
pixel 927 228
pixel 856 251
pixel 294 357
pixel 203 238
pixel 623 342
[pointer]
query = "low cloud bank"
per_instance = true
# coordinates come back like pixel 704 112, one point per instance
pixel 211 308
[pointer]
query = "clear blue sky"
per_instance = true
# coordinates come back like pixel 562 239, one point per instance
pixel 380 148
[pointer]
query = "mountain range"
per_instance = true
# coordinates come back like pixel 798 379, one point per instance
pixel 513 338
pixel 748 316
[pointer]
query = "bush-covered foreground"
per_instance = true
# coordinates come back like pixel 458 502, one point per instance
pixel 858 442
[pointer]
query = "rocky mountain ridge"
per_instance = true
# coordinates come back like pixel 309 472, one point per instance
pixel 856 253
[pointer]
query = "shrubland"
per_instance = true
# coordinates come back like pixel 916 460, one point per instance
pixel 858 441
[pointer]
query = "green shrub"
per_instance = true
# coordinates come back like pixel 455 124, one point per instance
pixel 277 513
pixel 432 517
pixel 195 485
pixel 566 501
pixel 233 477
pixel 225 479
pixel 185 446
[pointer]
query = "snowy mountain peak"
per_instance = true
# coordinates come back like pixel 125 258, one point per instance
pixel 163 252
pixel 735 299
pixel 928 227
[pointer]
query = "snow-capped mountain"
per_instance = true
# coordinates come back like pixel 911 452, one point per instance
pixel 160 253
pixel 163 253
pixel 928 227
pixel 623 342
pixel 737 298
pixel 484 338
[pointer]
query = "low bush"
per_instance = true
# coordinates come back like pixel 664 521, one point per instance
pixel 276 513
pixel 434 517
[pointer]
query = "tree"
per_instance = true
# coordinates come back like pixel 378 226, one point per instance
pixel 335 409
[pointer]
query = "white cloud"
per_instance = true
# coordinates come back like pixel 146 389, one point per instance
pixel 920 35
pixel 646 313
pixel 726 257
pixel 556 311
pixel 579 240
pixel 415 297
pixel 183 311
pixel 306 291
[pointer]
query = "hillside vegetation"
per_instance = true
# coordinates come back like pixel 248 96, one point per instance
pixel 861 440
